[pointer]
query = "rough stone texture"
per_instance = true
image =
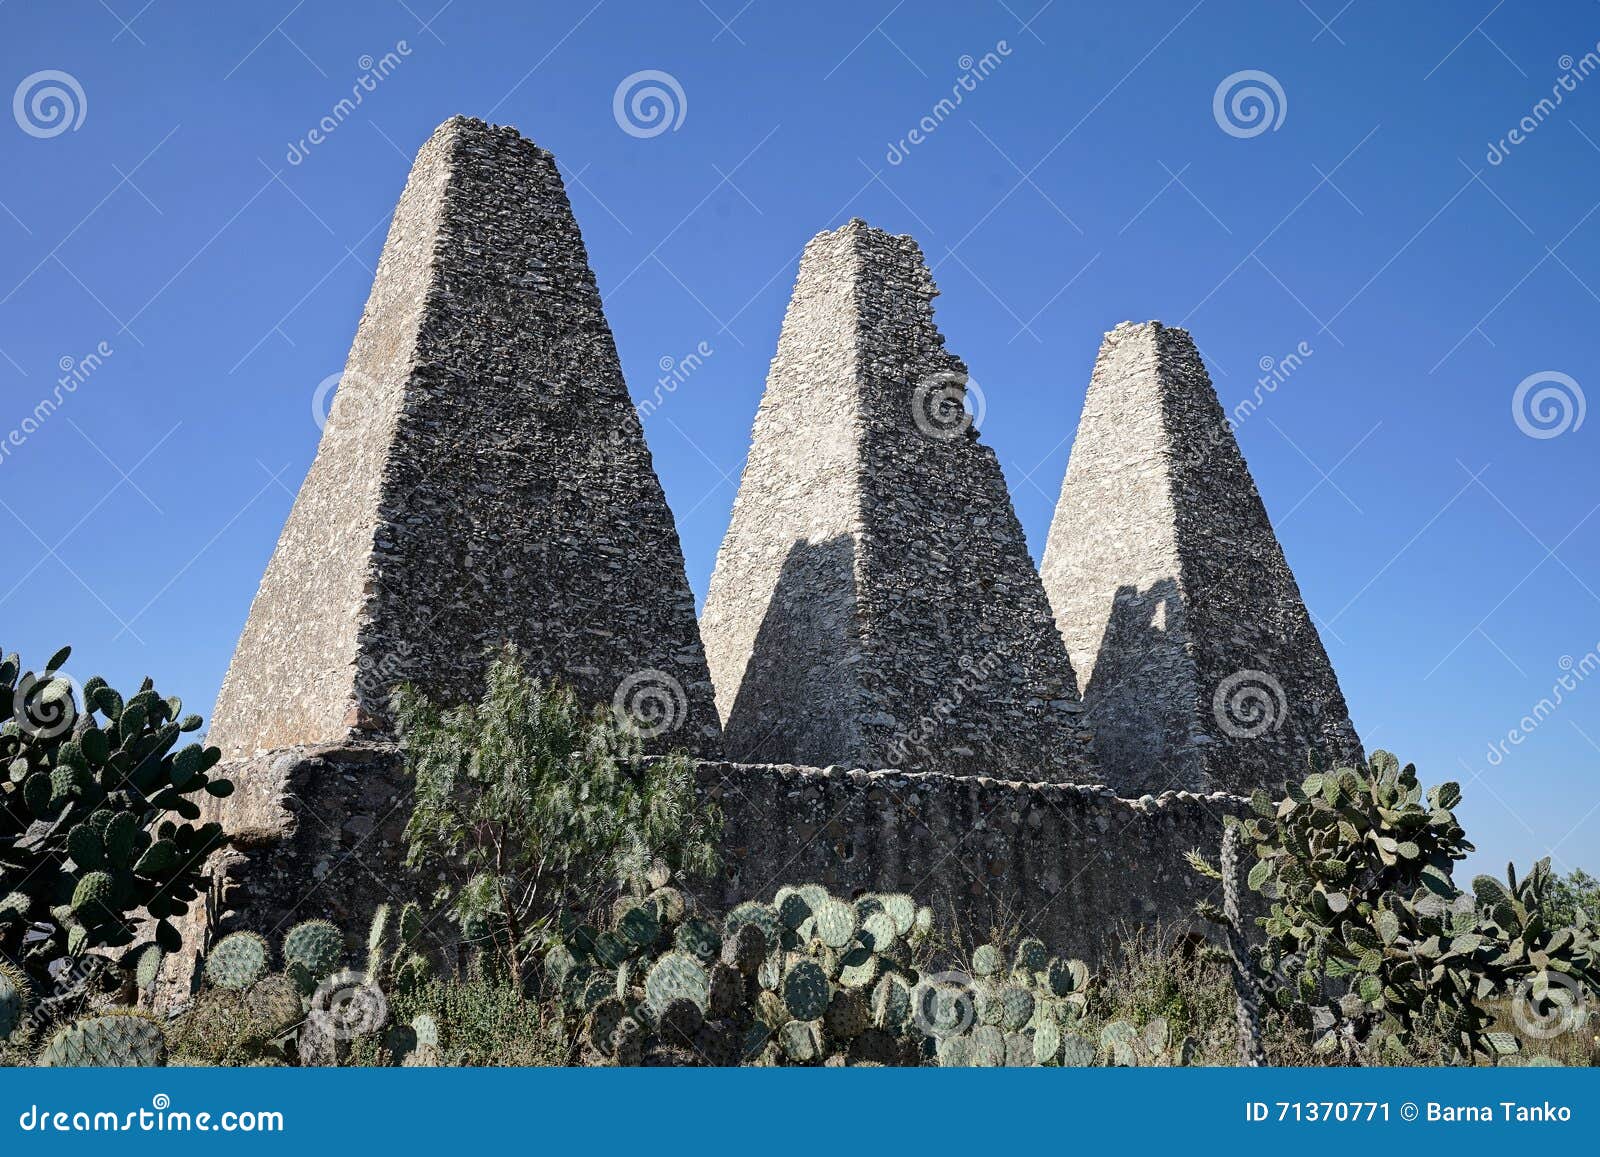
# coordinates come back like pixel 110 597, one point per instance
pixel 1201 667
pixel 481 479
pixel 873 602
pixel 1072 864
pixel 316 833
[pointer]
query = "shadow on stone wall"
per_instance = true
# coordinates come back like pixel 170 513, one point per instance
pixel 1141 697
pixel 796 699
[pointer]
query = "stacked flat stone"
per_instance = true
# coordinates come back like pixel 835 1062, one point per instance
pixel 481 480
pixel 1202 669
pixel 874 603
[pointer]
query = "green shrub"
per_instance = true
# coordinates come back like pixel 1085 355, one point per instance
pixel 528 807
pixel 99 844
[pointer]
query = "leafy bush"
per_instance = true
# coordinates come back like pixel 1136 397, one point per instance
pixel 1369 944
pixel 527 808
pixel 97 839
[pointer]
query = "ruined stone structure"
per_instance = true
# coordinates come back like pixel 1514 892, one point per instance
pixel 1073 864
pixel 873 603
pixel 1202 669
pixel 482 479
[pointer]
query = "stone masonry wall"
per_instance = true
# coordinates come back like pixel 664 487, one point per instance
pixel 1074 865
pixel 1202 667
pixel 482 479
pixel 873 601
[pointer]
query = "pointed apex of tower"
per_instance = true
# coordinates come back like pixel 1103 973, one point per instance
pixel 874 570
pixel 1200 664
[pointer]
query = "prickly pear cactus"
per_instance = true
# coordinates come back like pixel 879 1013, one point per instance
pixel 121 1039
pixel 16 997
pixel 808 979
pixel 237 961
pixel 315 946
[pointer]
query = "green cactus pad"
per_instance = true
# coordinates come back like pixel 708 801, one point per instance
pixel 639 925
pixel 760 915
pixel 985 960
pixel 317 946
pixel 276 1004
pixel 988 1046
pixel 16 997
pixel 1047 1043
pixel 802 1041
pixel 891 1003
pixel 806 991
pixel 1077 1052
pixel 1032 955
pixel 860 968
pixel 836 923
pixel 1016 1007
pixel 237 961
pixel 677 976
pixel 111 1040
pixel 847 1016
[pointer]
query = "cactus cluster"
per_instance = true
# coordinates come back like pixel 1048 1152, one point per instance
pixel 1369 944
pixel 1031 1013
pixel 248 1014
pixel 809 979
pixel 99 831
pixel 117 1038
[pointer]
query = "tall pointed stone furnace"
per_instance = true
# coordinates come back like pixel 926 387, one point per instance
pixel 1202 669
pixel 482 479
pixel 874 603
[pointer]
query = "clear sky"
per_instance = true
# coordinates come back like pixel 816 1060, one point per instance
pixel 184 254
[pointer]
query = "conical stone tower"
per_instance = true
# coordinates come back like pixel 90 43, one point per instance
pixel 1202 669
pixel 873 603
pixel 482 479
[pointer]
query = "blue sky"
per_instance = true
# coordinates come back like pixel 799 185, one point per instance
pixel 1448 554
